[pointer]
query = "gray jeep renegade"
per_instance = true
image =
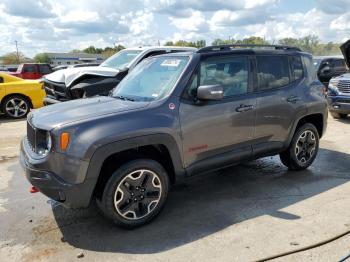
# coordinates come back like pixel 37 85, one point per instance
pixel 174 116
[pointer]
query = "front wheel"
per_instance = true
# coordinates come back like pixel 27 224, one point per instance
pixel 303 148
pixel 135 193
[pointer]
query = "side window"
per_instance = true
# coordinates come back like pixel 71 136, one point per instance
pixel 230 72
pixel 1 80
pixel 296 68
pixel 29 69
pixel 310 69
pixel 272 72
pixel 44 69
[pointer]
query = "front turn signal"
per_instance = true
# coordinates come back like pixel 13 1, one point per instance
pixel 64 141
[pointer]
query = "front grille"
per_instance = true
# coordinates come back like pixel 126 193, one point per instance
pixel 344 86
pixel 56 90
pixel 36 137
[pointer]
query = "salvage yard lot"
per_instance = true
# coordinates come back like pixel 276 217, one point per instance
pixel 242 213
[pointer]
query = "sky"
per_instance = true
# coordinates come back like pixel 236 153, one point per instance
pixel 63 25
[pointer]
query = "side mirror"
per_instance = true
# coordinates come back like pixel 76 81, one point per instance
pixel 210 92
pixel 325 70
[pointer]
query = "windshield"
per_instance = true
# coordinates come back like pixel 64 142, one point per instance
pixel 152 79
pixel 121 59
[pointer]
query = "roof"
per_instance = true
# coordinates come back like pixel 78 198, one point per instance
pixel 144 48
pixel 73 55
pixel 233 47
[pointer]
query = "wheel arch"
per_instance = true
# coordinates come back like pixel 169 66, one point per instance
pixel 17 94
pixel 160 147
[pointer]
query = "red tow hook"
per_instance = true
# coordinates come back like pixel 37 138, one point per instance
pixel 33 189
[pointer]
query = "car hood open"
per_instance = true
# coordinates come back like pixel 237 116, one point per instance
pixel 69 75
pixel 60 114
pixel 345 49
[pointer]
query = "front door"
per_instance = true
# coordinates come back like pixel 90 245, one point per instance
pixel 216 128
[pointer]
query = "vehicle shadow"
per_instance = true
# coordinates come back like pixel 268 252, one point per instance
pixel 206 204
pixel 4 119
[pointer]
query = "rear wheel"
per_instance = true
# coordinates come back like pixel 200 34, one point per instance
pixel 338 115
pixel 135 193
pixel 303 148
pixel 15 106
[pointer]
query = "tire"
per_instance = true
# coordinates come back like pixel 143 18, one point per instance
pixel 303 148
pixel 132 200
pixel 15 106
pixel 338 115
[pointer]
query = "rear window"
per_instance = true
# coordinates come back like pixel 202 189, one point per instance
pixel 29 69
pixel 44 69
pixel 296 68
pixel 272 72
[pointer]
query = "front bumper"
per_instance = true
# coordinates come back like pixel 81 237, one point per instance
pixel 339 104
pixel 51 184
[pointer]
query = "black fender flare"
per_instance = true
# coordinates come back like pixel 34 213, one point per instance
pixel 103 152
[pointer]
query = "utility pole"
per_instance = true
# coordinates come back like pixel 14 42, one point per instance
pixel 17 52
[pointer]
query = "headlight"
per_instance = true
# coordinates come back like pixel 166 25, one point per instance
pixel 332 88
pixel 45 149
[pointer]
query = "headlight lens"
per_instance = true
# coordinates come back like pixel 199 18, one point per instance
pixel 44 151
pixel 332 88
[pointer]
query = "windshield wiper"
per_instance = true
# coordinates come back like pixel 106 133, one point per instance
pixel 124 98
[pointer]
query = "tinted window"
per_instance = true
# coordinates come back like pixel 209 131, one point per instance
pixel 296 68
pixel 44 69
pixel 339 63
pixel 273 72
pixel 29 69
pixel 231 73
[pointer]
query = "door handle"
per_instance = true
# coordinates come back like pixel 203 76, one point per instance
pixel 293 99
pixel 244 108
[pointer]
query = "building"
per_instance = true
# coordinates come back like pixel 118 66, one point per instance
pixel 74 58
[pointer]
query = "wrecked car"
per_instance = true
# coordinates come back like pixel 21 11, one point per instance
pixel 82 82
pixel 338 95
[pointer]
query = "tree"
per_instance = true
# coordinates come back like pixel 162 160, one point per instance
pixel 11 58
pixel 197 44
pixel 42 58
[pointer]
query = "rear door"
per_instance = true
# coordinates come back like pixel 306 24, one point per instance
pixel 218 128
pixel 278 100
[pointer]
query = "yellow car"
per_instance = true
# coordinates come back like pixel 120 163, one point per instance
pixel 18 96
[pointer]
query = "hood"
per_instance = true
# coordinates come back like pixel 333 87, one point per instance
pixel 345 49
pixel 69 75
pixel 60 114
pixel 342 77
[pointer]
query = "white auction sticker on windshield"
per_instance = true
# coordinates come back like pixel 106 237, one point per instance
pixel 171 62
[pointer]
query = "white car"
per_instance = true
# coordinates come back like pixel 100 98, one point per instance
pixel 74 83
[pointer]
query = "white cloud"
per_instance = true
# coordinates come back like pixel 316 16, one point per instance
pixel 64 25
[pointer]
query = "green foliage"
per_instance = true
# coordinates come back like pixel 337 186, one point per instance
pixel 11 58
pixel 197 44
pixel 309 44
pixel 42 58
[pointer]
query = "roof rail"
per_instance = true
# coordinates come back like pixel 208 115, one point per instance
pixel 234 46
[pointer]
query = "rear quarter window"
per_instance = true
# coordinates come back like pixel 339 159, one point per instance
pixel 272 72
pixel 296 68
pixel 1 80
pixel 310 69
